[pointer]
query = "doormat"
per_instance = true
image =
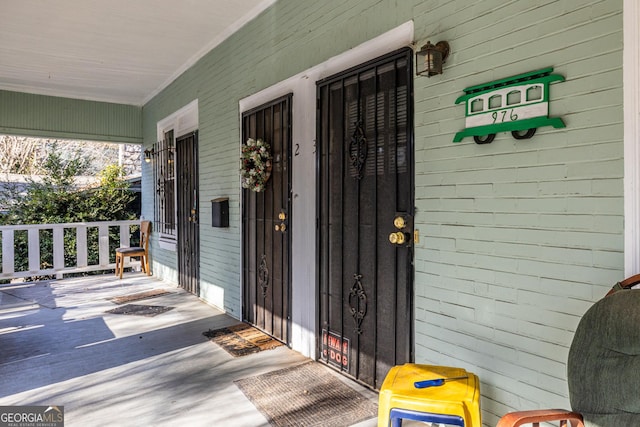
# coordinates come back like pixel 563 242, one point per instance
pixel 242 339
pixel 140 310
pixel 139 296
pixel 306 395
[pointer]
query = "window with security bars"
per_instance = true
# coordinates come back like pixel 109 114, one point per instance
pixel 165 179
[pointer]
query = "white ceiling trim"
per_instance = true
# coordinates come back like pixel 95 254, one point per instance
pixel 119 51
pixel 222 36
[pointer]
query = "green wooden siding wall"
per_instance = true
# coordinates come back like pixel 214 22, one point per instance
pixel 55 117
pixel 518 237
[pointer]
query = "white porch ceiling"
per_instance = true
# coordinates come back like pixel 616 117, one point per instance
pixel 123 51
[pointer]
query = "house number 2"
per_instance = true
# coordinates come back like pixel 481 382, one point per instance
pixel 296 152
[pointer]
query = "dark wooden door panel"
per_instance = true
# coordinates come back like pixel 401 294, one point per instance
pixel 365 182
pixel 188 245
pixel 266 243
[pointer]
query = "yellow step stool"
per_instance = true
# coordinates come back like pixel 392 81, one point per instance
pixel 436 394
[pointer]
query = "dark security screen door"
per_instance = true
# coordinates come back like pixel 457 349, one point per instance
pixel 188 221
pixel 366 218
pixel 266 274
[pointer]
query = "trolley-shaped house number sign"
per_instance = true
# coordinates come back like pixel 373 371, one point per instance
pixel 517 104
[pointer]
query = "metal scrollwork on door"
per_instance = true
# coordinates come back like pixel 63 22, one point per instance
pixel 358 150
pixel 358 302
pixel 263 276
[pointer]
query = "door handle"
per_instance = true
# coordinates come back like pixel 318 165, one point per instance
pixel 399 238
pixel 282 227
pixel 402 223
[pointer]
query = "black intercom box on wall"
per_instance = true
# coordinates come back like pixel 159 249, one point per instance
pixel 220 212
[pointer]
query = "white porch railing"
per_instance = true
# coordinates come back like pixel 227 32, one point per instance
pixel 59 269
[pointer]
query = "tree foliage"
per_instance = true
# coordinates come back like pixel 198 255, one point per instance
pixel 25 155
pixel 56 198
pixel 20 155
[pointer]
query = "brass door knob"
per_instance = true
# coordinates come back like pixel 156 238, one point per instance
pixel 397 238
pixel 277 227
pixel 400 222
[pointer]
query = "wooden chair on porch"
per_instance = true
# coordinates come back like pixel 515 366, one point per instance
pixel 603 369
pixel 141 251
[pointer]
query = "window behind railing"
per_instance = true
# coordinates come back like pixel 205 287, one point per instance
pixel 165 197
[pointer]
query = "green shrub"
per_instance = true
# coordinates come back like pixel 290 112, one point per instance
pixel 56 199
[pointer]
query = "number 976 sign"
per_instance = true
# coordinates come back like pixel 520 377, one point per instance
pixel 517 104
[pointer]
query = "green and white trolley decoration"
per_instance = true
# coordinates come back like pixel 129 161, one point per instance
pixel 517 104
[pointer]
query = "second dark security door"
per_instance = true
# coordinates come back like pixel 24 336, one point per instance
pixel 365 212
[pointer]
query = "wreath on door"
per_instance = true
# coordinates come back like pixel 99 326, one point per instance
pixel 255 165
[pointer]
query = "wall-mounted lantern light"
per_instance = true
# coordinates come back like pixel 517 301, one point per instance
pixel 429 58
pixel 147 155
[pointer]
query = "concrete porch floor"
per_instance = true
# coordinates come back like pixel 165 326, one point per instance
pixel 59 347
